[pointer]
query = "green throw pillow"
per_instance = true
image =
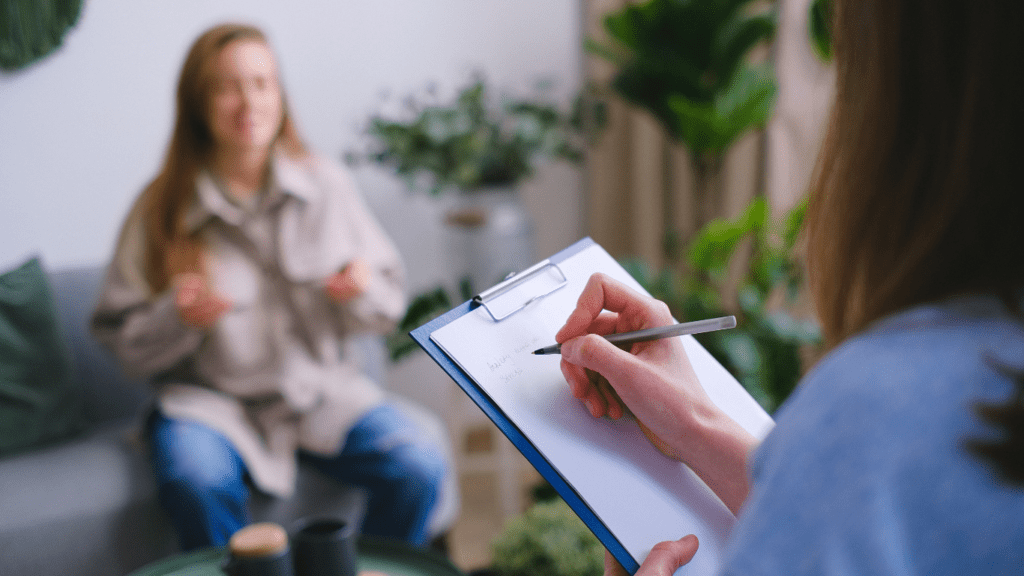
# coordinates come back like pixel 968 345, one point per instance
pixel 39 400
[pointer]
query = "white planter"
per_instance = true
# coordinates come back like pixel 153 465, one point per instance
pixel 488 235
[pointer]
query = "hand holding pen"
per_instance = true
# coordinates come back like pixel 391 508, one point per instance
pixel 655 381
pixel 625 340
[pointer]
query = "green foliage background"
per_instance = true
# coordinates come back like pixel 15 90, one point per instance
pixel 471 143
pixel 548 540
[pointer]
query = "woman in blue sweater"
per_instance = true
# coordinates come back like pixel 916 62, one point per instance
pixel 902 451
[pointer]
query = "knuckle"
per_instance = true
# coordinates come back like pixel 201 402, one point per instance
pixel 661 309
pixel 663 547
pixel 587 349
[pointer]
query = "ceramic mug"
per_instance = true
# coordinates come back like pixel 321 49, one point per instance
pixel 324 547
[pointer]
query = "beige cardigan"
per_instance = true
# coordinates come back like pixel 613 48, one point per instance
pixel 271 374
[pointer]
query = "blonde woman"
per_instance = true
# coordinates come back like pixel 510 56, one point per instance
pixel 238 275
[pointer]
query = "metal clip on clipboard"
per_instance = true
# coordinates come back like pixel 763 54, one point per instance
pixel 520 290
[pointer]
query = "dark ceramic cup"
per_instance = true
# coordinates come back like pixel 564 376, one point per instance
pixel 324 547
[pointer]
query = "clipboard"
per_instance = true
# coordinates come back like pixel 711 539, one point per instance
pixel 523 293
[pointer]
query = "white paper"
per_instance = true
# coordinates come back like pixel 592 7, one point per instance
pixel 642 496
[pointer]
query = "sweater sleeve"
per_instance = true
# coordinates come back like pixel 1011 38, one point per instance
pixel 143 330
pixel 382 305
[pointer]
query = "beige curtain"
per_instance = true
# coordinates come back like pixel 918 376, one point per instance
pixel 640 184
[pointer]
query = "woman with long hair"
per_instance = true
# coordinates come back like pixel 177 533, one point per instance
pixel 902 450
pixel 239 274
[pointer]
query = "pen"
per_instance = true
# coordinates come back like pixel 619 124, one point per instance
pixel 626 339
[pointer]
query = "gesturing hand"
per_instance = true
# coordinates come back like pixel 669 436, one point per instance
pixel 350 282
pixel 197 304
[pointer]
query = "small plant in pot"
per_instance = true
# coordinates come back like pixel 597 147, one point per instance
pixel 472 143
pixel 482 148
pixel 547 540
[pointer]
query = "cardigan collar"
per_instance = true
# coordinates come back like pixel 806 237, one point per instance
pixel 288 178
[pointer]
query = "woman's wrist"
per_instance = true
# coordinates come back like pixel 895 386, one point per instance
pixel 717 449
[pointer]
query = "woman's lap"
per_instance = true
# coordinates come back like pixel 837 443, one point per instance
pixel 385 452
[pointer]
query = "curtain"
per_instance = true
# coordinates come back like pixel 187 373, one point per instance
pixel 640 184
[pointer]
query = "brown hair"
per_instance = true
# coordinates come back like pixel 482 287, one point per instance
pixel 169 248
pixel 917 193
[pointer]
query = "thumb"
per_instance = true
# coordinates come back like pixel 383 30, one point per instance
pixel 666 557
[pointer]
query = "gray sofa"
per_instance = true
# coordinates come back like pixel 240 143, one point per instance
pixel 87 505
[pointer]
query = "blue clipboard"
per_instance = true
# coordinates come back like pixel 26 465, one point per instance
pixel 422 337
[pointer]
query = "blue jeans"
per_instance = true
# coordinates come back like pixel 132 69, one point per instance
pixel 202 480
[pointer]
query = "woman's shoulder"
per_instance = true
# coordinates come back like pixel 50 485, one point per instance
pixel 873 441
pixel 958 344
pixel 906 385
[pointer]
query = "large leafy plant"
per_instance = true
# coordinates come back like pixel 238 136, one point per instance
pixel 686 62
pixel 472 142
pixel 765 351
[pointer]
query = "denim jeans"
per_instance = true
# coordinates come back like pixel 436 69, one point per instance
pixel 202 480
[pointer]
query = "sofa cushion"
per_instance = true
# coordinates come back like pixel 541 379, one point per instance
pixel 39 399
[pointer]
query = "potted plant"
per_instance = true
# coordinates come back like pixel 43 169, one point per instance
pixel 547 540
pixel 471 143
pixel 687 62
pixel 476 149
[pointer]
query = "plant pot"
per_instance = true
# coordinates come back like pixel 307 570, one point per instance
pixel 488 234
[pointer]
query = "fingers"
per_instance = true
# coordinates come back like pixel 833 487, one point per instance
pixel 605 293
pixel 359 274
pixel 605 323
pixel 610 402
pixel 189 288
pixel 612 566
pixel 352 281
pixel 197 304
pixel 595 353
pixel 666 557
pixel 593 390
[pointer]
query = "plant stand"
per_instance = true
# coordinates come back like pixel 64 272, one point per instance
pixel 488 235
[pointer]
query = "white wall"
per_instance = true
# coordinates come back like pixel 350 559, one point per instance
pixel 84 129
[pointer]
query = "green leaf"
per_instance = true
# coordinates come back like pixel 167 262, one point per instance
pixel 794 223
pixel 715 244
pixel 736 39
pixel 820 28
pixel 547 540
pixel 712 128
pixel 679 60
pixel 471 143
